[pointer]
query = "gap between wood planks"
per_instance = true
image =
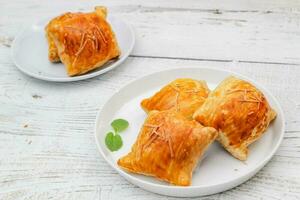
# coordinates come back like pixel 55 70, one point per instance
pixel 213 60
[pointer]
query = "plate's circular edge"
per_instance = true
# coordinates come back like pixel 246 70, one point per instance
pixel 220 187
pixel 75 78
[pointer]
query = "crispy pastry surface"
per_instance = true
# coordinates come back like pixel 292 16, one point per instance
pixel 239 111
pixel 81 41
pixel 168 147
pixel 184 95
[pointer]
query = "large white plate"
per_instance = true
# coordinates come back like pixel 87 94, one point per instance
pixel 30 52
pixel 218 171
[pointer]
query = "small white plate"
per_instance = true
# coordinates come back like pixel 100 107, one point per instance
pixel 30 52
pixel 218 171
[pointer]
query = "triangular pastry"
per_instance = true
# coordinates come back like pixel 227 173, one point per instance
pixel 184 95
pixel 168 147
pixel 239 111
pixel 81 41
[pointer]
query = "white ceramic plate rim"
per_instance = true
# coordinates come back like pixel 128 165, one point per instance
pixel 254 169
pixel 74 78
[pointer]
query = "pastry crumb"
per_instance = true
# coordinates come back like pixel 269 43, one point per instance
pixel 6 41
pixel 35 96
pixel 217 11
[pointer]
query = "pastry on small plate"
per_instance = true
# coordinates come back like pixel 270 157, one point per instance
pixel 239 111
pixel 81 41
pixel 168 147
pixel 184 95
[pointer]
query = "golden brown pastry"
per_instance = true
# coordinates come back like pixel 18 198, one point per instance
pixel 184 95
pixel 168 147
pixel 81 41
pixel 239 111
pixel 52 50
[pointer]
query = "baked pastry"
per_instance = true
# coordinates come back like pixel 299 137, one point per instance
pixel 81 41
pixel 168 147
pixel 184 95
pixel 239 111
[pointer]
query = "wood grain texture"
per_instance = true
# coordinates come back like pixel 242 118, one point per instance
pixel 265 31
pixel 47 148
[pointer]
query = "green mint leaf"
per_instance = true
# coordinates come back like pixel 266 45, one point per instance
pixel 113 142
pixel 119 125
pixel 109 140
pixel 117 143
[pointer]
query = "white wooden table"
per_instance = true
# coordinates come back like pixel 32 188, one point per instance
pixel 47 148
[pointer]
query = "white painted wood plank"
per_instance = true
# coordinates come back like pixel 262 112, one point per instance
pixel 253 31
pixel 55 156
